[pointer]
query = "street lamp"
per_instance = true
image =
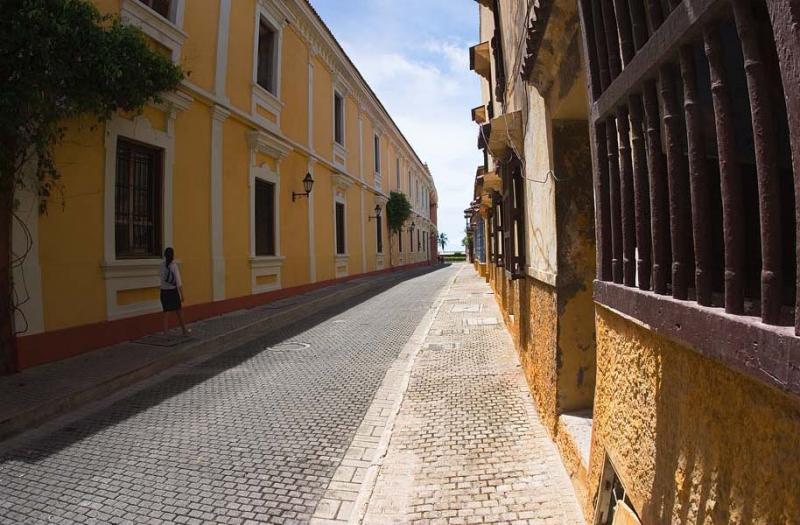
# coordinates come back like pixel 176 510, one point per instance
pixel 308 183
pixel 377 213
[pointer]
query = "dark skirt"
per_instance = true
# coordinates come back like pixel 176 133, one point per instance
pixel 170 300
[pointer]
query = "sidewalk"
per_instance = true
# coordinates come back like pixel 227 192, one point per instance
pixel 453 436
pixel 42 393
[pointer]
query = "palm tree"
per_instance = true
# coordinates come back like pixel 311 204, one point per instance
pixel 443 240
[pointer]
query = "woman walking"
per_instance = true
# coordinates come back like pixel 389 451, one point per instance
pixel 171 290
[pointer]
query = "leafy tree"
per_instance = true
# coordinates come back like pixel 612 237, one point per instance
pixel 443 240
pixel 60 59
pixel 398 210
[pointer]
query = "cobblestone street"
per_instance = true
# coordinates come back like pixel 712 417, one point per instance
pixel 468 445
pixel 355 416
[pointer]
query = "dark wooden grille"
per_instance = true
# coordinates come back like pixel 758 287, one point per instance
pixel 162 7
pixel 513 235
pixel 400 240
pixel 379 233
pixel 498 223
pixel 137 218
pixel 694 186
pixel 265 218
pixel 341 248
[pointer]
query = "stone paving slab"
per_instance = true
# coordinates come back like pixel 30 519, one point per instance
pixel 254 434
pixel 41 393
pixel 467 445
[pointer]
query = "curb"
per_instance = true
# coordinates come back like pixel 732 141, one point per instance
pixel 38 414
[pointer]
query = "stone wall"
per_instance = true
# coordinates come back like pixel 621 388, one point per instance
pixel 692 440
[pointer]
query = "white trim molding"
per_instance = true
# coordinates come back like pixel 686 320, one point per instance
pixel 339 154
pixel 312 246
pixel 275 14
pixel 265 265
pixel 341 261
pixel 218 117
pixel 167 32
pixel 223 39
pixel 133 274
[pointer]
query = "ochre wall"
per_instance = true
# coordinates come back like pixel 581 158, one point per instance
pixel 692 440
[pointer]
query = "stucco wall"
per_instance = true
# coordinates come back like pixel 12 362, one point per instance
pixel 692 441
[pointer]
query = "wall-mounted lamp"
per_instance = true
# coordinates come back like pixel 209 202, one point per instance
pixel 411 228
pixel 308 184
pixel 377 213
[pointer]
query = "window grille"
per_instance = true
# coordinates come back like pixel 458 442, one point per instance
pixel 267 41
pixel 341 248
pixel 265 218
pixel 611 494
pixel 400 240
pixel 379 233
pixel 513 237
pixel 138 200
pixel 162 7
pixel 694 184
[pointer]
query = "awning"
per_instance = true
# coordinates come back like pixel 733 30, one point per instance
pixel 506 135
pixel 479 115
pixel 480 60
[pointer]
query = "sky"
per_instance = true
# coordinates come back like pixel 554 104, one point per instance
pixel 415 56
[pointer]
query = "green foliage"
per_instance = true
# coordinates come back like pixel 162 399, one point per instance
pixel 398 210
pixel 61 59
pixel 443 240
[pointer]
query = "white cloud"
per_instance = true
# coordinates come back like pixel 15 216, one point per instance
pixel 421 74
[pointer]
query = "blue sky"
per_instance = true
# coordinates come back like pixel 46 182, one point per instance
pixel 415 56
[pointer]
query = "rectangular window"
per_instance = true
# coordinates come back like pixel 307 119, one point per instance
pixel 265 218
pixel 379 233
pixel 162 7
pixel 338 118
pixel 377 150
pixel 340 237
pixel 138 200
pixel 400 240
pixel 267 43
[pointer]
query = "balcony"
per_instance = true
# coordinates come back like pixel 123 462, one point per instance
pixel 480 60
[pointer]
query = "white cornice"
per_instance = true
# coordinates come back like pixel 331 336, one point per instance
pixel 341 181
pixel 268 144
pixel 318 38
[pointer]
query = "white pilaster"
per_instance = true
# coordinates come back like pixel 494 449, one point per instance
pixel 310 103
pixel 312 243
pixel 360 145
pixel 218 117
pixel 363 233
pixel 223 34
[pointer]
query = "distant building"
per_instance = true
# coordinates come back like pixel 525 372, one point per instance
pixel 637 199
pixel 217 171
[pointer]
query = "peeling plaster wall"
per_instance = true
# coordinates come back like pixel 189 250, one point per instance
pixel 692 441
pixel 576 265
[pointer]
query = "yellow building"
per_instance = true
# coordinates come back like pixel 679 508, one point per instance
pixel 217 171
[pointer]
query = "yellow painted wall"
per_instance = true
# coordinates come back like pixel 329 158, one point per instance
pixel 71 234
pixel 323 223
pixel 692 440
pixel 192 193
pixel 294 221
pixel 240 54
pixel 198 57
pixel 294 87
pixel 236 209
pixel 323 112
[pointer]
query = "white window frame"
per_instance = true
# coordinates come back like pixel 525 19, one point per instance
pixel 339 148
pixel 265 265
pixel 134 274
pixel 338 94
pixel 376 153
pixel 275 14
pixel 167 32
